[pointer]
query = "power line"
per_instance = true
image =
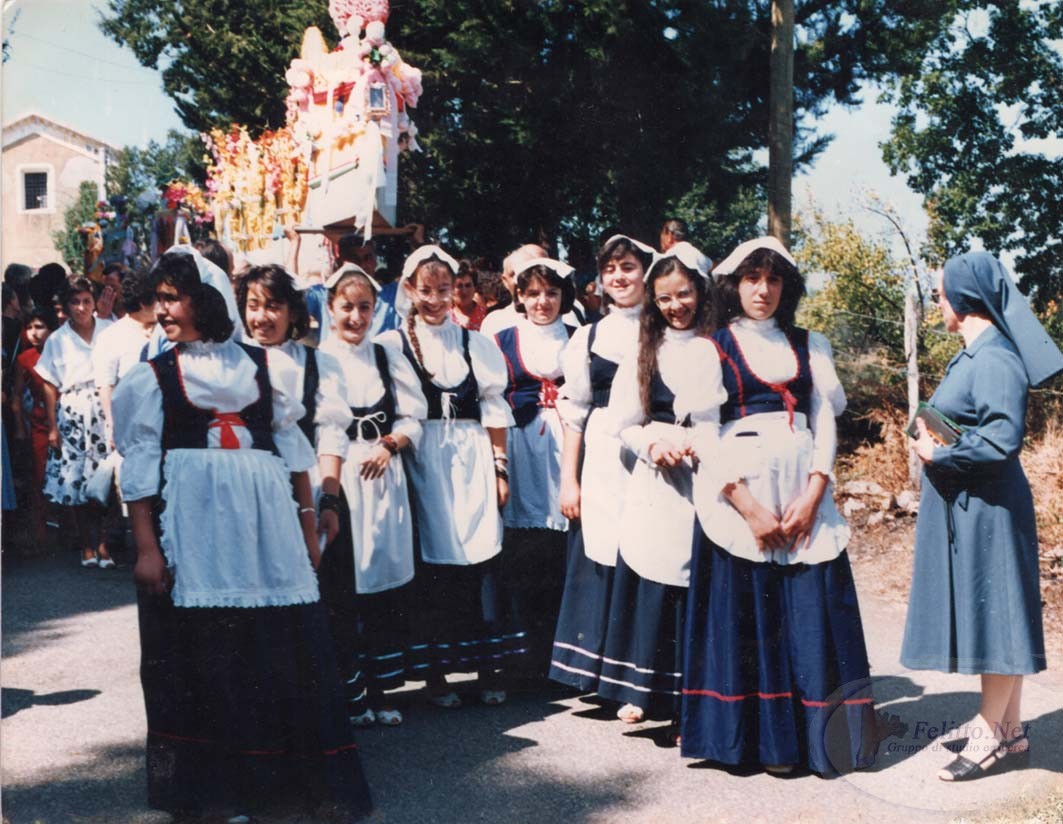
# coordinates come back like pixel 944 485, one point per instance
pixel 91 79
pixel 83 54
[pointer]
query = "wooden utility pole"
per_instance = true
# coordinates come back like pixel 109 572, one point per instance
pixel 781 119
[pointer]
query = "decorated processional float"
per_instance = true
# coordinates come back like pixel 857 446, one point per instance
pixel 135 231
pixel 333 167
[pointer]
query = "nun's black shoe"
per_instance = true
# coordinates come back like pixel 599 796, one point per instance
pixel 962 768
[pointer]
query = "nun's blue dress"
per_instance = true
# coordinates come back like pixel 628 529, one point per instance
pixel 975 604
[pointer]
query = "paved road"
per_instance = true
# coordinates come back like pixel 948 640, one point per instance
pixel 73 734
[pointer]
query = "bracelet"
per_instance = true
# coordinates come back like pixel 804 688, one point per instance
pixel 303 509
pixel 501 474
pixel 329 503
pixel 390 444
pixel 501 459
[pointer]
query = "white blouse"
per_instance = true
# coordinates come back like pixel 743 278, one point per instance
pixel 773 455
pixel 768 353
pixel 363 386
pixel 66 359
pixel 541 346
pixel 118 350
pixel 443 358
pixel 332 416
pixel 690 367
pixel 615 340
pixel 216 376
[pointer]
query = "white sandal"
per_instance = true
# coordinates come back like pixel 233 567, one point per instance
pixel 630 714
pixel 389 718
pixel 447 700
pixel 366 719
pixel 492 698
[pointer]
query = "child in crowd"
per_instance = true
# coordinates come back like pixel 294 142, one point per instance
pixel 243 699
pixel 365 574
pixel 535 528
pixel 30 414
pixel 593 489
pixel 664 399
pixel 776 669
pixel 459 483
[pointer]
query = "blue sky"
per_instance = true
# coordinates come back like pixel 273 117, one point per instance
pixel 62 66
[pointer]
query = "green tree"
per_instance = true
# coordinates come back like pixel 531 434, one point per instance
pixel 135 169
pixel 972 115
pixel 860 305
pixel 222 61
pixel 69 243
pixel 541 118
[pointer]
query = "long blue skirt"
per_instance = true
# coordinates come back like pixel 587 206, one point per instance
pixel 579 640
pixel 245 710
pixel 776 667
pixel 643 663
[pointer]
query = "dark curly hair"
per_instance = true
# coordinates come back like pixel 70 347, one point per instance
pixel 614 250
pixel 138 291
pixel 178 269
pixel 653 323
pixel 281 287
pixel 568 291
pixel 617 248
pixel 74 286
pixel 793 288
pixel 46 315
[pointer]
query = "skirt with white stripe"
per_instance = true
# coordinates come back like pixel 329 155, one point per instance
pixel 463 620
pixel 642 663
pixel 579 639
pixel 370 631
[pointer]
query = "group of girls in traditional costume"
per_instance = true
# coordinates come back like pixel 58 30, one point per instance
pixel 707 577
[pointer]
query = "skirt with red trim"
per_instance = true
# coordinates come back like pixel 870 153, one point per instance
pixel 579 640
pixel 642 664
pixel 776 666
pixel 245 711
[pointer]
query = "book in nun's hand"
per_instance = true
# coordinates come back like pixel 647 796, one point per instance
pixel 942 429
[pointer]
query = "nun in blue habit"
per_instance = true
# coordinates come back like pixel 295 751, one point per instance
pixel 975 604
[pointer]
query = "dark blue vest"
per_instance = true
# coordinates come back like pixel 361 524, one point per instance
pixel 747 394
pixel 662 401
pixel 465 402
pixel 602 372
pixel 186 426
pixel 526 393
pixel 311 380
pixel 370 430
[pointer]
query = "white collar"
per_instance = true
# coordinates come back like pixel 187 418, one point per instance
pixel 761 327
pixel 626 311
pixel 680 334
